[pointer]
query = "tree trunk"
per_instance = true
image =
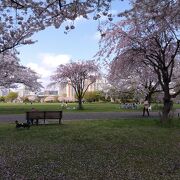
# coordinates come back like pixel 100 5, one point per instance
pixel 149 97
pixel 166 108
pixel 80 106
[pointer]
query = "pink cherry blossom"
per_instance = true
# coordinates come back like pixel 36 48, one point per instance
pixel 149 30
pixel 12 73
pixel 80 75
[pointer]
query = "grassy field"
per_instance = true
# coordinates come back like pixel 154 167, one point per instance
pixel 19 108
pixel 116 149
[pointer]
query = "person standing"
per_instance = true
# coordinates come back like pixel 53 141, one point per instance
pixel 146 107
pixel 32 120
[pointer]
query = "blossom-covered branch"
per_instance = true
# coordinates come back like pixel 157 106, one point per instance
pixel 12 73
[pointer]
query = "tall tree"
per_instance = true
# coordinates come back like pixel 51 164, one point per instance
pixel 150 29
pixel 80 75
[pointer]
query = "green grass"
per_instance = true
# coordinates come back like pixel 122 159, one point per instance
pixel 116 149
pixel 20 108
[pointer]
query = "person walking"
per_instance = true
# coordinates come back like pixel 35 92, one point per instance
pixel 146 107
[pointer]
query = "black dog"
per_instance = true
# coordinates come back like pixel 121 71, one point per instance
pixel 24 125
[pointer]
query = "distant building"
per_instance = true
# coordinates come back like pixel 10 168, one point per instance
pixel 51 92
pixel 4 91
pixel 24 92
pixel 66 91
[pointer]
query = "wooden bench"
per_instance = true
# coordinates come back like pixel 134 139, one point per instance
pixel 36 115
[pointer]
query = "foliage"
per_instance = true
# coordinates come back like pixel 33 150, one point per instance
pixel 12 73
pixel 25 100
pixel 125 149
pixel 80 75
pixel 21 19
pixel 2 98
pixel 149 35
pixel 132 77
pixel 92 96
pixel 11 96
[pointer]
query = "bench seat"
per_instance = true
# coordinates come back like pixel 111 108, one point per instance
pixel 36 115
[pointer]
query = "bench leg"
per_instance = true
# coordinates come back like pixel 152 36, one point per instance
pixel 37 122
pixel 28 121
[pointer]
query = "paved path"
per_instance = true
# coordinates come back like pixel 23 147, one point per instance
pixel 83 116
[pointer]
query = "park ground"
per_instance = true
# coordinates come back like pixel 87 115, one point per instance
pixel 20 108
pixel 100 149
pixel 114 149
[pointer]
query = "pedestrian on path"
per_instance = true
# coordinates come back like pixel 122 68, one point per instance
pixel 146 107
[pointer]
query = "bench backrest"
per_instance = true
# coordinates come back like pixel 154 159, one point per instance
pixel 44 115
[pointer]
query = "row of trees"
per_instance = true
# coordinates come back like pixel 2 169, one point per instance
pixel 92 96
pixel 146 50
pixel 9 98
pixel 145 46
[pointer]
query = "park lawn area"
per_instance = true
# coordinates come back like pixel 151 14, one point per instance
pixel 20 108
pixel 115 149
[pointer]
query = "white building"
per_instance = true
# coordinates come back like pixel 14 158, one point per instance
pixel 23 91
pixel 65 91
pixel 68 92
pixel 4 91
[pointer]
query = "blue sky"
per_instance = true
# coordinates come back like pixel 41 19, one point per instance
pixel 53 47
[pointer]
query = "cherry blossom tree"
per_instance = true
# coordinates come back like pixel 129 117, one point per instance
pixel 16 27
pixel 125 75
pixel 12 73
pixel 57 11
pixel 150 30
pixel 80 75
pixel 19 20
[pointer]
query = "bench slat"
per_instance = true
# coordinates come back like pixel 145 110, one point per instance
pixel 44 115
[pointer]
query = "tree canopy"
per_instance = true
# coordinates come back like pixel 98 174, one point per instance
pixel 148 34
pixel 80 75
pixel 11 73
pixel 19 20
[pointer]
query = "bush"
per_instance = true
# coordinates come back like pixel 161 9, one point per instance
pixel 26 100
pixel 11 96
pixel 2 99
pixel 92 96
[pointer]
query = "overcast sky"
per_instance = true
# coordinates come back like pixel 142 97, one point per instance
pixel 53 47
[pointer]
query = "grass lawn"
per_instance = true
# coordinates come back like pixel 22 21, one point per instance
pixel 20 108
pixel 116 149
